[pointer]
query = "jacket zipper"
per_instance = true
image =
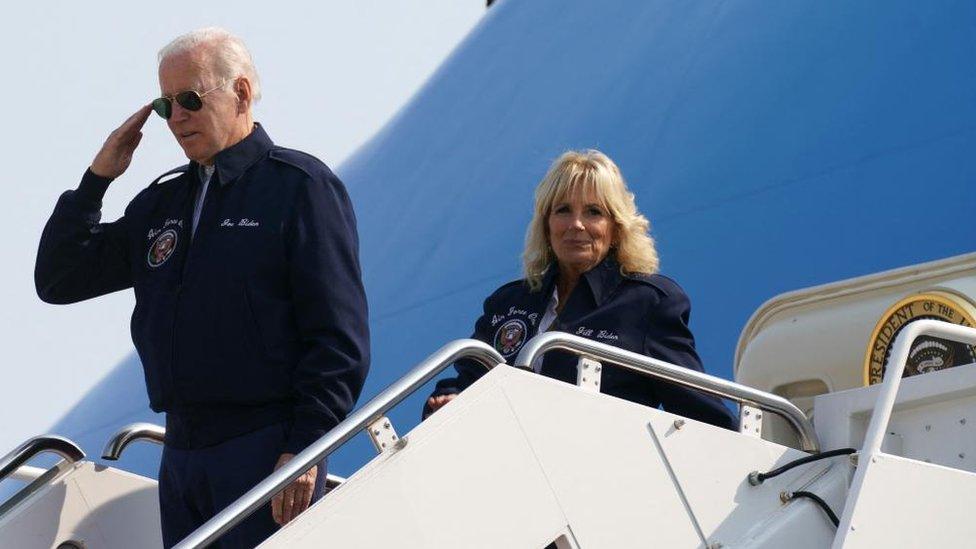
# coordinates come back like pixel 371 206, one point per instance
pixel 185 260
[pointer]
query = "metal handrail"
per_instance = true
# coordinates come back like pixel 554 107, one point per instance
pixel 151 432
pixel 339 435
pixel 896 369
pixel 39 445
pixel 679 375
pixel 881 414
pixel 129 434
pixel 28 473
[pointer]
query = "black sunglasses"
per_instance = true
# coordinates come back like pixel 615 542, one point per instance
pixel 190 100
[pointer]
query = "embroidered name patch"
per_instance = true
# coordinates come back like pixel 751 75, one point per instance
pixel 510 337
pixel 244 222
pixel 162 248
pixel 597 334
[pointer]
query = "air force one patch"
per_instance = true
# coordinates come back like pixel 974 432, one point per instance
pixel 510 337
pixel 162 248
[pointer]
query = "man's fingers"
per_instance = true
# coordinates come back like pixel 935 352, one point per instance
pixel 134 141
pixel 139 117
pixel 295 499
pixel 304 498
pixel 135 122
pixel 437 402
pixel 276 502
pixel 120 140
pixel 127 142
pixel 289 504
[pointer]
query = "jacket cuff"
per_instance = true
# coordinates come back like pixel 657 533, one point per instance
pixel 92 187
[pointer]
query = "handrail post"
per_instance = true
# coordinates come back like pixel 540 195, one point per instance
pixel 339 435
pixel 881 415
pixel 679 375
pixel 129 434
pixel 895 369
pixel 38 445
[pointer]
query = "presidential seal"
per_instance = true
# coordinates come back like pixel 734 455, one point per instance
pixel 162 248
pixel 510 337
pixel 927 354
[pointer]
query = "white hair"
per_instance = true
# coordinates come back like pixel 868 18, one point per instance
pixel 230 56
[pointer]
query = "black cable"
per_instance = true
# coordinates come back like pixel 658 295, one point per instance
pixel 820 502
pixel 757 478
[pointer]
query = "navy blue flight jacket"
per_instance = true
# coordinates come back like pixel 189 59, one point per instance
pixel 259 318
pixel 646 314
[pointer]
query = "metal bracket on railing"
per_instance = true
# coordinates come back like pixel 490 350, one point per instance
pixel 588 374
pixel 383 435
pixel 750 421
pixel 53 444
pixel 672 373
pixel 129 434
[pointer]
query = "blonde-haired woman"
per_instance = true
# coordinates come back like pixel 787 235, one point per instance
pixel 591 270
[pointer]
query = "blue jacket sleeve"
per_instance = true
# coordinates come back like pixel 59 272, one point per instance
pixel 79 258
pixel 330 309
pixel 669 338
pixel 468 371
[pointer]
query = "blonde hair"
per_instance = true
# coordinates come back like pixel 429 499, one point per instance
pixel 586 172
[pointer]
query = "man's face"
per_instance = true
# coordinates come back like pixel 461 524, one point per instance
pixel 216 126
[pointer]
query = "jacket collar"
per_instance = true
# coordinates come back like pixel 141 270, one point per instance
pixel 603 279
pixel 233 161
pixel 600 281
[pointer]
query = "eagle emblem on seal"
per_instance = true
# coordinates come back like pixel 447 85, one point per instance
pixel 927 353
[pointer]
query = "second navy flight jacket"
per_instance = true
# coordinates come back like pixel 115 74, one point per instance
pixel 646 314
pixel 259 317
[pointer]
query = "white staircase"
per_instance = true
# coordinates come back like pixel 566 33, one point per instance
pixel 520 460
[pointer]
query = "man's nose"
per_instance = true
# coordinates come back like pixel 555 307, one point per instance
pixel 179 113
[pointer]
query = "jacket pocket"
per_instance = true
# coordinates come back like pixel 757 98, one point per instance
pixel 151 327
pixel 252 321
pixel 220 356
pixel 272 321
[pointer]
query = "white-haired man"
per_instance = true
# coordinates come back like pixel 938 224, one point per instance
pixel 250 316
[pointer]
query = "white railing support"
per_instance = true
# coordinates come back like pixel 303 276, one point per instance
pixel 895 368
pixel 672 373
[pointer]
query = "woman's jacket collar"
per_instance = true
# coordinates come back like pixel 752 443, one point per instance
pixel 601 280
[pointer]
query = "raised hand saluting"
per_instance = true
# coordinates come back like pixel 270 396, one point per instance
pixel 116 154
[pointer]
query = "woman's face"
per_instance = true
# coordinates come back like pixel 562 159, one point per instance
pixel 580 232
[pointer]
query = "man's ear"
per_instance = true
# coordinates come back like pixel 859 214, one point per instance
pixel 242 89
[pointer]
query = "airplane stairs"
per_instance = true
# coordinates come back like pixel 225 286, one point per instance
pixel 520 460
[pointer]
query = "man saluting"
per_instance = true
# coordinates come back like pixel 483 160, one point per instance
pixel 250 316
